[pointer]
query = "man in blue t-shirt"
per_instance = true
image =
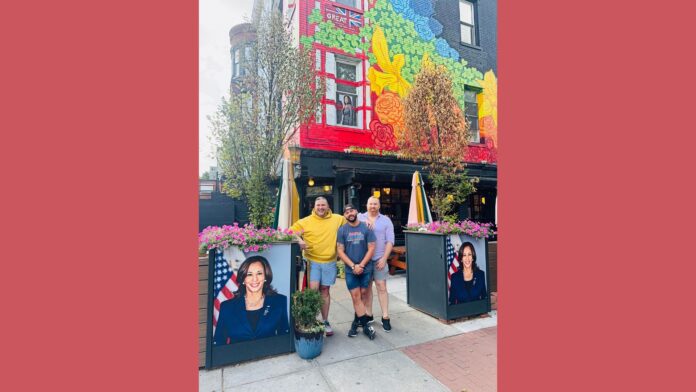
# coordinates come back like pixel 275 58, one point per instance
pixel 356 245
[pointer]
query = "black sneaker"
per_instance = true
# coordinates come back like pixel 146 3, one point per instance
pixel 386 325
pixel 369 331
pixel 370 319
pixel 353 330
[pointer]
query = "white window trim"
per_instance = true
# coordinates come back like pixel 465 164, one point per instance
pixel 474 36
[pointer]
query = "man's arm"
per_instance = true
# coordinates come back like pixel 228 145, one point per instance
pixel 297 227
pixel 343 256
pixel 369 254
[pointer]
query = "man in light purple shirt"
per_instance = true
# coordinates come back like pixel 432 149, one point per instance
pixel 384 231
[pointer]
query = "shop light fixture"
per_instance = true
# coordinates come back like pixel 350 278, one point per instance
pixel 311 181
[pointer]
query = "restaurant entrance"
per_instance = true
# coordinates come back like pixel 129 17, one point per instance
pixel 394 202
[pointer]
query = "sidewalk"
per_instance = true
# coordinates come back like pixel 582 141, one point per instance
pixel 421 353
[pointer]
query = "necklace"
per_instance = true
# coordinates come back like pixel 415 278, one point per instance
pixel 253 305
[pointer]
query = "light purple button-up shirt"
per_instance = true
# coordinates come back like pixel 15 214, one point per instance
pixel 384 232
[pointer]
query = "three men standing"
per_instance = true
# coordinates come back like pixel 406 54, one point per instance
pixel 364 244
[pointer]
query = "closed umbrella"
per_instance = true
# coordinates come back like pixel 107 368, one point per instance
pixel 419 210
pixel 288 204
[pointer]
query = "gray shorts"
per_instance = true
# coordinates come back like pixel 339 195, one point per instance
pixel 324 273
pixel 377 274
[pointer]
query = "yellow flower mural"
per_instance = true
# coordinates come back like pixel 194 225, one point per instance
pixel 488 107
pixel 390 76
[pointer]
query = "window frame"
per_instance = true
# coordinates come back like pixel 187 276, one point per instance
pixel 474 35
pixel 355 63
pixel 477 130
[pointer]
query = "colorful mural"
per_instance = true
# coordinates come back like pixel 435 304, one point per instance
pixel 370 58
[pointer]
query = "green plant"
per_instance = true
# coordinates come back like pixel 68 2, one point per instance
pixel 437 132
pixel 341 267
pixel 305 307
pixel 279 91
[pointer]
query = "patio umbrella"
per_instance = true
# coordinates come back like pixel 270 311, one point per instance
pixel 419 210
pixel 288 209
pixel 288 204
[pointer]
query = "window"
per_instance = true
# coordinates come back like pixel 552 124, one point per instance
pixel 246 60
pixel 346 95
pixel 236 62
pixel 471 114
pixel 466 22
pixel 350 3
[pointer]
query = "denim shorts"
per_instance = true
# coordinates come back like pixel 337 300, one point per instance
pixel 363 280
pixel 324 273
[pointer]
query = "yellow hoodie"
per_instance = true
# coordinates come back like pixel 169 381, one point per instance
pixel 320 235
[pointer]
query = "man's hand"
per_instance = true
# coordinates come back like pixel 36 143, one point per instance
pixel 358 269
pixel 381 264
pixel 303 245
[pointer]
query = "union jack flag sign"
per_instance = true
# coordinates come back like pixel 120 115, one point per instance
pixel 343 17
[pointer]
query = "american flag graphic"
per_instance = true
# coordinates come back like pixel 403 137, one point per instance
pixel 224 285
pixel 451 258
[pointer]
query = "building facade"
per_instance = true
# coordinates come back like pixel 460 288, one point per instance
pixel 369 52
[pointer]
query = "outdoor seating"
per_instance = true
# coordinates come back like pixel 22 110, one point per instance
pixel 397 259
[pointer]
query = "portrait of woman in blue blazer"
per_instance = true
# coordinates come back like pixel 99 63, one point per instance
pixel 469 282
pixel 257 310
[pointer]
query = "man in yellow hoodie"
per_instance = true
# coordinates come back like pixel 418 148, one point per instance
pixel 318 242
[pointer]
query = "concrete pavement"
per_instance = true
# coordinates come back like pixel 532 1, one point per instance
pixel 421 353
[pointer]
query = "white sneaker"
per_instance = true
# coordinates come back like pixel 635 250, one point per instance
pixel 328 329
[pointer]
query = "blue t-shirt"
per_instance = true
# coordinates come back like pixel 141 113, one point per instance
pixel 354 241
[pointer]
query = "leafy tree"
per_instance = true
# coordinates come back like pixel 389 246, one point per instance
pixel 205 176
pixel 437 132
pixel 279 92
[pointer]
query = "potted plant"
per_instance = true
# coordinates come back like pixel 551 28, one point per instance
pixel 309 332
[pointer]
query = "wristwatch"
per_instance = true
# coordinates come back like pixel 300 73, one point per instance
pixel 353 267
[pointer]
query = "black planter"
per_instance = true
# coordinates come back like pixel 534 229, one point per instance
pixel 426 275
pixel 283 260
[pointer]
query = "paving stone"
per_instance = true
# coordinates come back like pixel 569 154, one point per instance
pixel 414 327
pixel 391 370
pixel 210 380
pixel 340 347
pixel 304 381
pixel 263 369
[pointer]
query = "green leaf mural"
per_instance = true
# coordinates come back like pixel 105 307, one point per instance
pixel 402 38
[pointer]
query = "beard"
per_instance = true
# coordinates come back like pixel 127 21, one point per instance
pixel 351 218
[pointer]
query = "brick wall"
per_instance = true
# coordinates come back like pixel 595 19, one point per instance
pixel 484 57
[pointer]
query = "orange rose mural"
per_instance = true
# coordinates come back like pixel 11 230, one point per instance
pixel 390 110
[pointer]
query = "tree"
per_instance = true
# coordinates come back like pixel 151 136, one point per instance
pixel 436 132
pixel 279 92
pixel 205 176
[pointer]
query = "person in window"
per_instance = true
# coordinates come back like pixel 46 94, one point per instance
pixel 257 310
pixel 348 112
pixel 469 282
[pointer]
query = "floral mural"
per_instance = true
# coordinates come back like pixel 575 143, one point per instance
pixel 396 38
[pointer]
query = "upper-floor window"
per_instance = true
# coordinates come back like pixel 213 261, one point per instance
pixel 350 3
pixel 471 114
pixel 346 94
pixel 236 62
pixel 467 26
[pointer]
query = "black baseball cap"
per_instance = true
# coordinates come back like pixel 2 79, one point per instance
pixel 348 207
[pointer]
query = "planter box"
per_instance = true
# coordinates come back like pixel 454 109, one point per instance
pixel 427 288
pixel 283 259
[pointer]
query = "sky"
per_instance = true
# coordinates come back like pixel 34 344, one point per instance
pixel 216 18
